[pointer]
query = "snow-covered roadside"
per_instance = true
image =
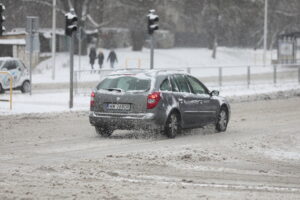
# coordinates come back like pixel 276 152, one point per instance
pixel 51 101
pixel 235 61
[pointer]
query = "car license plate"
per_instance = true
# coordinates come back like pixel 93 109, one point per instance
pixel 113 106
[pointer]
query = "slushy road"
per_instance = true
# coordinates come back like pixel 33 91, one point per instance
pixel 59 156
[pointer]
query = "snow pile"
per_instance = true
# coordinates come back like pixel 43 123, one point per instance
pixel 280 154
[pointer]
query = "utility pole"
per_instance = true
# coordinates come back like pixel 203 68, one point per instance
pixel 265 32
pixel 152 26
pixel 53 38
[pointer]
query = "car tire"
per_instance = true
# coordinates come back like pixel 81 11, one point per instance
pixel 2 91
pixel 222 120
pixel 25 88
pixel 103 131
pixel 173 127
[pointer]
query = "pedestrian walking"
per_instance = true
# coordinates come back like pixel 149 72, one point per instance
pixel 92 56
pixel 100 59
pixel 112 57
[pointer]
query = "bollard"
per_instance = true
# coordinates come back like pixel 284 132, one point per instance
pixel 220 76
pixel 248 76
pixel 76 82
pixel 188 70
pixel 139 63
pixel 275 74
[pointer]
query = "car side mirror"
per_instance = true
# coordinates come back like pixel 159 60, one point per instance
pixel 214 93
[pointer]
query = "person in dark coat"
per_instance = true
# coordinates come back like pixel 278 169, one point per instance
pixel 100 59
pixel 112 57
pixel 92 56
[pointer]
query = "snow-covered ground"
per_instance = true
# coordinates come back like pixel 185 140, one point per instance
pixel 57 99
pixel 60 156
pixel 234 60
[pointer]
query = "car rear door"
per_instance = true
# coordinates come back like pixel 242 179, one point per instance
pixel 207 106
pixel 186 100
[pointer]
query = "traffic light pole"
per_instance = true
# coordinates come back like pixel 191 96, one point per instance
pixel 151 51
pixel 152 26
pixel 71 49
pixel 71 27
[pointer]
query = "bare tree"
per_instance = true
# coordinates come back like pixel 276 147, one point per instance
pixel 81 7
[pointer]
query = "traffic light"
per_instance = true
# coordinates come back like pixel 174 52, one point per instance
pixel 71 23
pixel 2 19
pixel 152 22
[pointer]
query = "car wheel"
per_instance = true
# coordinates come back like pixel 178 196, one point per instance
pixel 103 131
pixel 222 120
pixel 2 91
pixel 25 88
pixel 173 127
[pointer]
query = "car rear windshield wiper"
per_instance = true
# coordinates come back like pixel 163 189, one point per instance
pixel 115 89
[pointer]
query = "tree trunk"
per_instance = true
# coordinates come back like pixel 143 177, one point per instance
pixel 217 28
pixel 214 50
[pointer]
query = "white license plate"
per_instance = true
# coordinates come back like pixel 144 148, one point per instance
pixel 113 106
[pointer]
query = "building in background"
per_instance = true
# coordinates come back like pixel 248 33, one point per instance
pixel 288 50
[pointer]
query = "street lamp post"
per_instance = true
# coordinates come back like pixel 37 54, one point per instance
pixel 53 38
pixel 265 32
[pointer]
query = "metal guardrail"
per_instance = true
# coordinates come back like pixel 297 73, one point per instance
pixel 273 68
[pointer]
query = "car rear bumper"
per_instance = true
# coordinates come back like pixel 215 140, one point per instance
pixel 125 121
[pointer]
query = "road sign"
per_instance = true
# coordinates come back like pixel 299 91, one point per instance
pixel 32 24
pixel 32 37
pixel 32 41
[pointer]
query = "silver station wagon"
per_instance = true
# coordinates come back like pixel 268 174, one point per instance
pixel 156 100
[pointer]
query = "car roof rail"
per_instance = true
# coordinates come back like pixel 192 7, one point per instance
pixel 137 69
pixel 170 70
pixel 154 71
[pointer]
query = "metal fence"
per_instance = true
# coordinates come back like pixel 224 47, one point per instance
pixel 212 76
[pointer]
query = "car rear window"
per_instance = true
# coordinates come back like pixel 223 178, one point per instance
pixel 125 83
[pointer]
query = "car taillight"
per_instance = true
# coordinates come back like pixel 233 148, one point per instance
pixel 92 99
pixel 153 100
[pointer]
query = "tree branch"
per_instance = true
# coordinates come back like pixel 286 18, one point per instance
pixel 84 10
pixel 95 24
pixel 287 14
pixel 45 3
pixel 70 4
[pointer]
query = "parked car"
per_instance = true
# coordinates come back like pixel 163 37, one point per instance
pixel 19 73
pixel 157 100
